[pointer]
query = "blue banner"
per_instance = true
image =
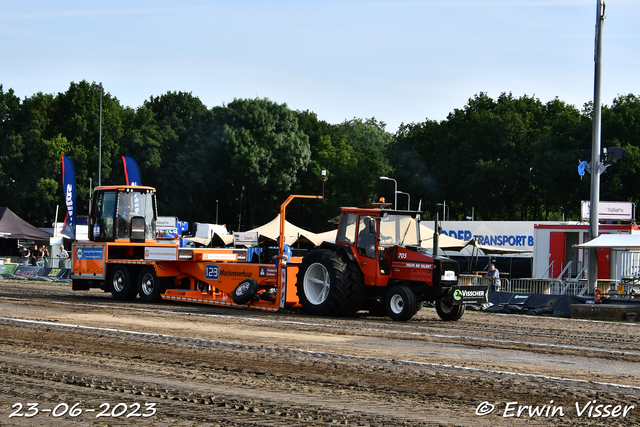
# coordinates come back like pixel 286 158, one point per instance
pixel 69 191
pixel 131 171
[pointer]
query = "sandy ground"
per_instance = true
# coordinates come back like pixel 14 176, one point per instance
pixel 83 359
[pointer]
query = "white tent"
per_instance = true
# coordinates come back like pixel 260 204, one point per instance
pixel 292 233
pixel 616 242
pixel 327 236
pixel 444 242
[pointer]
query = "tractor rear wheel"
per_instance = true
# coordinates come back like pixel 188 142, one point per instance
pixel 449 312
pixel 400 303
pixel 328 285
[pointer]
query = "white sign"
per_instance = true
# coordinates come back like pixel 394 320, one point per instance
pixel 160 253
pixel 624 211
pixel 166 222
pixel 249 238
pixel 216 256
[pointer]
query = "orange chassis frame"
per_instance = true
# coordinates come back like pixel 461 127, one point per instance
pixel 213 273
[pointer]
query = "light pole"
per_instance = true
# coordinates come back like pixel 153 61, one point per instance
pixel 323 178
pixel 596 166
pixel 395 190
pixel 216 211
pixel 408 199
pixel 100 89
pixel 444 210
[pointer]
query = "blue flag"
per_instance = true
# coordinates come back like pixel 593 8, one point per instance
pixel 69 191
pixel 131 171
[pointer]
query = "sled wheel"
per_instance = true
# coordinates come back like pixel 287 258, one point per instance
pixel 149 285
pixel 449 312
pixel 245 291
pixel 120 283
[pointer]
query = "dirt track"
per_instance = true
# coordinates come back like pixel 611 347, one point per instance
pixel 203 365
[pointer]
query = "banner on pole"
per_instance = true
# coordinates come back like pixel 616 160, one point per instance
pixel 69 192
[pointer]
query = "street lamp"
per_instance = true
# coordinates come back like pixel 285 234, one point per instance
pixel 395 190
pixel 100 89
pixel 216 211
pixel 444 209
pixel 473 213
pixel 323 178
pixel 408 199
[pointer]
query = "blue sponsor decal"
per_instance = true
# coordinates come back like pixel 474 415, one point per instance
pixel 89 253
pixel 491 240
pixel 211 272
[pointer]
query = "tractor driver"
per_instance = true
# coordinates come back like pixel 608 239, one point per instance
pixel 367 236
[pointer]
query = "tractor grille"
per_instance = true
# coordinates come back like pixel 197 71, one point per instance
pixel 443 265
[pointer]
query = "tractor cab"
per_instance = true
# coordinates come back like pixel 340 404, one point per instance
pixel 123 213
pixel 372 229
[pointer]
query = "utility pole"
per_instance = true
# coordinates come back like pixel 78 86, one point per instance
pixel 596 165
pixel 100 89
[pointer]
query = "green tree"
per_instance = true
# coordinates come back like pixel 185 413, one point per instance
pixel 621 127
pixel 170 138
pixel 77 119
pixel 261 152
pixel 12 186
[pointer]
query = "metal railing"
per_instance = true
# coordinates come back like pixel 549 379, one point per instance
pixel 13 259
pixel 576 287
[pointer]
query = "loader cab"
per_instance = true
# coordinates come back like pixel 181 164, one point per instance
pixel 123 213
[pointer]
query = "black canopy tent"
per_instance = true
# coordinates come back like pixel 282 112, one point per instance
pixel 14 228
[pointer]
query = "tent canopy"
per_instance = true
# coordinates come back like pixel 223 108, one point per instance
pixel 14 227
pixel 444 242
pixel 616 242
pixel 292 233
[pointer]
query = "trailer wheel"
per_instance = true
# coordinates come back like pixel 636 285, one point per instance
pixel 449 312
pixel 120 283
pixel 400 303
pixel 149 286
pixel 245 291
pixel 327 284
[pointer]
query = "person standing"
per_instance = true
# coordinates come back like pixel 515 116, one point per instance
pixel 45 255
pixel 494 275
pixel 64 255
pixel 39 253
pixel 25 253
pixel 34 254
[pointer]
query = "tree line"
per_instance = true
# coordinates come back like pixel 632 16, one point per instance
pixel 510 158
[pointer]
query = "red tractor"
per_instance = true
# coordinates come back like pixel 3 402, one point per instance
pixel 377 263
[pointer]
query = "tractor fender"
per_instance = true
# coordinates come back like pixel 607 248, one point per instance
pixel 346 250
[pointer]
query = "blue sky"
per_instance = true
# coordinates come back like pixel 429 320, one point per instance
pixel 398 61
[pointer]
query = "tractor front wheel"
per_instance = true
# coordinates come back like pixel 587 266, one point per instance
pixel 400 303
pixel 449 312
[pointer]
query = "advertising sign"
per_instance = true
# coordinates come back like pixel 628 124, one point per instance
pixel 249 238
pixel 160 253
pixel 622 211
